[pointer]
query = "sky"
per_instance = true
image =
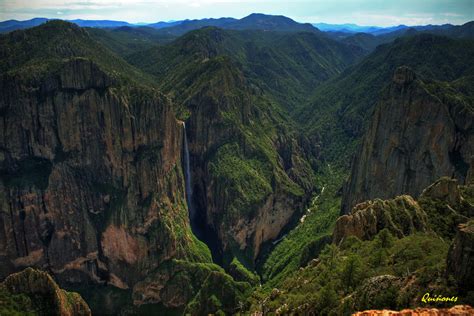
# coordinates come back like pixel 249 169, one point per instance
pixel 361 12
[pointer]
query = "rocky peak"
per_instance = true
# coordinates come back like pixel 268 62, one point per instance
pixel 45 295
pixel 460 262
pixel 445 189
pixel 417 135
pixel 401 215
pixel 404 75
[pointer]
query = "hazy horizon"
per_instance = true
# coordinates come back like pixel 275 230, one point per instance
pixel 363 13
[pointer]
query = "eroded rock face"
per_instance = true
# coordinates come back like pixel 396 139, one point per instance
pixel 458 310
pixel 402 216
pixel 440 208
pixel 91 186
pixel 460 261
pixel 414 138
pixel 45 295
pixel 445 189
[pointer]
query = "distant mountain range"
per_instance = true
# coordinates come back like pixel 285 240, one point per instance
pixel 375 30
pixel 11 25
pixel 253 21
pixel 347 28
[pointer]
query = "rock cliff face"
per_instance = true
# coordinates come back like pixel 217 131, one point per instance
pixel 439 208
pixel 418 133
pixel 460 262
pixel 402 216
pixel 42 296
pixel 91 187
pixel 88 176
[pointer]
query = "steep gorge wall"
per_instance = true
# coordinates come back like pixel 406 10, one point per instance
pixel 250 174
pixel 91 186
pixel 418 134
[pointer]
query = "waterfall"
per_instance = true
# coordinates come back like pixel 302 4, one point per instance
pixel 198 222
pixel 187 178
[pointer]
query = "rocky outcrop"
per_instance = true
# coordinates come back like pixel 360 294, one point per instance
pixel 447 204
pixel 440 208
pixel 470 172
pixel 418 134
pixel 203 288
pixel 445 189
pixel 458 310
pixel 402 216
pixel 460 261
pixel 44 297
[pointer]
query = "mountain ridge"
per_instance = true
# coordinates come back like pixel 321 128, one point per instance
pixel 340 100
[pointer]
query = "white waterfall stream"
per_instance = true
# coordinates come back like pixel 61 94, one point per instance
pixel 188 178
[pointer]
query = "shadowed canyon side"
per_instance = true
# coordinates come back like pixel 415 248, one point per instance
pixel 420 131
pixel 197 216
pixel 92 187
pixel 79 154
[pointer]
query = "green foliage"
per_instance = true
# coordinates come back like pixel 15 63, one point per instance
pixel 218 294
pixel 330 256
pixel 125 41
pixel 384 239
pixel 341 272
pixel 442 218
pixel 15 304
pixel 352 270
pixel 247 180
pixel 294 249
pixel 34 292
pixel 38 52
pixel 286 65
pixel 204 287
pixel 313 249
pixel 240 273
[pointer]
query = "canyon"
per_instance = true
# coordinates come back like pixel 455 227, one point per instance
pixel 234 170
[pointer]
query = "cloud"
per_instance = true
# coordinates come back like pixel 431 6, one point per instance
pixel 452 14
